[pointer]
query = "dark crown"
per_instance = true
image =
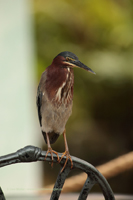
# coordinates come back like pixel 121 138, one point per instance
pixel 68 54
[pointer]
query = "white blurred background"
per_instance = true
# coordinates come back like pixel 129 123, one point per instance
pixel 18 117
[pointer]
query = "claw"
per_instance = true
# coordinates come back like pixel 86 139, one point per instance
pixel 66 153
pixel 51 151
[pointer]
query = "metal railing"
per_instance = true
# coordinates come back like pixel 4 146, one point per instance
pixel 32 154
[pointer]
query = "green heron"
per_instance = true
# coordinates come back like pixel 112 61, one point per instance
pixel 55 99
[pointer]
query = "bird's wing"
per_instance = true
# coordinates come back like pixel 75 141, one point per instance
pixel 40 97
pixel 39 104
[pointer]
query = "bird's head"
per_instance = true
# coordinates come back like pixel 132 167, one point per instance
pixel 67 59
pixel 60 77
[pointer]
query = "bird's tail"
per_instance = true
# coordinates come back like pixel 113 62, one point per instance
pixel 52 137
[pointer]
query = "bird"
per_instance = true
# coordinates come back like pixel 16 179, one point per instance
pixel 55 100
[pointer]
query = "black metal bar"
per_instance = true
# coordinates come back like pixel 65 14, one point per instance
pixel 32 154
pixel 89 183
pixel 59 183
pixel 8 159
pixel 26 154
pixel 2 197
pixel 106 189
pixel 97 177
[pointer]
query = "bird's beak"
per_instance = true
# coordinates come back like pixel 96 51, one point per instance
pixel 77 63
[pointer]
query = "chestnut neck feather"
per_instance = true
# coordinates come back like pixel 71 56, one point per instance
pixel 59 84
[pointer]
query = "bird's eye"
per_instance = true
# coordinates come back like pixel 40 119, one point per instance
pixel 69 59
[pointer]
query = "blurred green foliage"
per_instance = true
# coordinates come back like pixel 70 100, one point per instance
pixel 100 33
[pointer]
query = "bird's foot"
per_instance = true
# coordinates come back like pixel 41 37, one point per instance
pixel 68 157
pixel 51 151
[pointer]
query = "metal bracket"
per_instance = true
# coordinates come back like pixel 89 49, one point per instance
pixel 33 154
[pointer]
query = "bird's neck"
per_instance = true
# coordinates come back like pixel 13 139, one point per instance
pixel 59 85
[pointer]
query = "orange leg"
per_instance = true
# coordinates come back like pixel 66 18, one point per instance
pixel 51 151
pixel 66 153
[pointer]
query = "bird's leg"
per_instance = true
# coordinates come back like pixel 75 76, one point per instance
pixel 50 150
pixel 66 153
